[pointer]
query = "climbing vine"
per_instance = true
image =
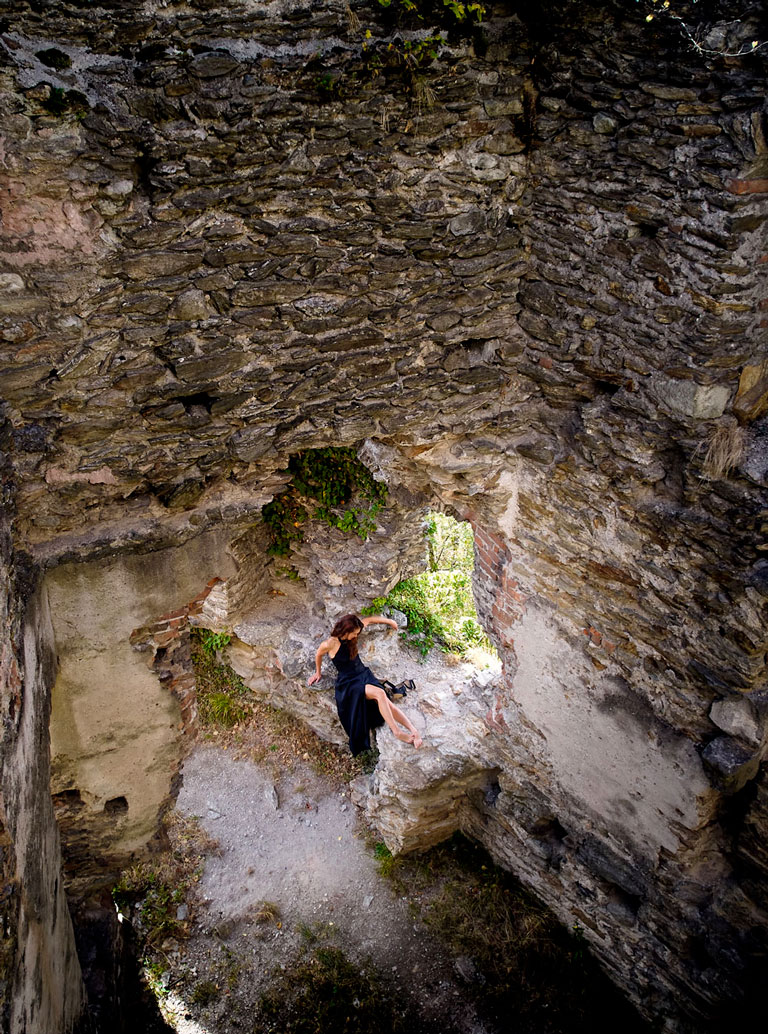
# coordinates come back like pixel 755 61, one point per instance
pixel 410 44
pixel 695 35
pixel 331 485
pixel 460 11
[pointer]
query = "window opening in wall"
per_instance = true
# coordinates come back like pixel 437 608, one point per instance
pixel 438 603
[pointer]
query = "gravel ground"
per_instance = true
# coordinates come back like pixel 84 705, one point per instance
pixel 297 843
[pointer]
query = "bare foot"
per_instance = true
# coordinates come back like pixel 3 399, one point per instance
pixel 410 737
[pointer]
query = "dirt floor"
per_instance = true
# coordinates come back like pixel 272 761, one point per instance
pixel 295 868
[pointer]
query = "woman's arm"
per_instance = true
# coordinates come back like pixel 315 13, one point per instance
pixel 378 619
pixel 322 649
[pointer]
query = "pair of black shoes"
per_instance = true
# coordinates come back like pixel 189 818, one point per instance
pixel 397 693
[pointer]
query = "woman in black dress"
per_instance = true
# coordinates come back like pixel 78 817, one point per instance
pixel 361 700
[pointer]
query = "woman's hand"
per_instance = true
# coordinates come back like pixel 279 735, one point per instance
pixel 391 623
pixel 313 679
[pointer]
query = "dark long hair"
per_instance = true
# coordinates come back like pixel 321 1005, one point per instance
pixel 346 624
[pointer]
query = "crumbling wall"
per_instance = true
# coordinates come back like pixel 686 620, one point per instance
pixel 538 303
pixel 41 987
pixel 116 729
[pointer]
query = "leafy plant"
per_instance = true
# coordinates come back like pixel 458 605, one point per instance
pixel 438 603
pixel 222 697
pixel 460 11
pixel 284 518
pixel 327 85
pixel 411 51
pixel 212 641
pixel 346 495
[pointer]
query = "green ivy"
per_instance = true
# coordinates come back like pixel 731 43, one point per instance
pixel 460 11
pixel 213 641
pixel 345 494
pixel 411 56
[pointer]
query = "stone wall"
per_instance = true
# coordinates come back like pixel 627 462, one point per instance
pixel 41 987
pixel 534 298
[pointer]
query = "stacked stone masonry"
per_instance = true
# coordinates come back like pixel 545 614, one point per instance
pixel 538 302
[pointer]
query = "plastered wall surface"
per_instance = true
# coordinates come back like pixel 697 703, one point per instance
pixel 115 729
pixel 621 763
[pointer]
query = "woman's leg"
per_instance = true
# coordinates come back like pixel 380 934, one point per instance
pixel 403 719
pixel 388 714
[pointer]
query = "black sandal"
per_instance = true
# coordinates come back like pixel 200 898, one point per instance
pixel 398 692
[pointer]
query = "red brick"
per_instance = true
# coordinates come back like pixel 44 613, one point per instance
pixel 751 186
pixel 173 614
pixel 163 638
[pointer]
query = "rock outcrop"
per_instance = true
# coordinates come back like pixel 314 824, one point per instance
pixel 525 279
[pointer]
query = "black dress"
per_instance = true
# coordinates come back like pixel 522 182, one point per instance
pixel 357 714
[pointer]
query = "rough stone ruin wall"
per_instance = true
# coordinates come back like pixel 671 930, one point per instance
pixel 538 299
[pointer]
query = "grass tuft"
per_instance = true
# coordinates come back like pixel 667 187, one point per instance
pixel 223 699
pixel 152 891
pixel 725 450
pixel 385 861
pixel 323 991
pixel 265 912
pixel 205 992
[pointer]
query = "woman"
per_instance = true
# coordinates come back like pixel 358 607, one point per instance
pixel 361 700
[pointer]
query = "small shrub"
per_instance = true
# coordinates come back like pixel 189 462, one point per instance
pixel 212 641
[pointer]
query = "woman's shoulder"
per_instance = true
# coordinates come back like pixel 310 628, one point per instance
pixel 331 646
